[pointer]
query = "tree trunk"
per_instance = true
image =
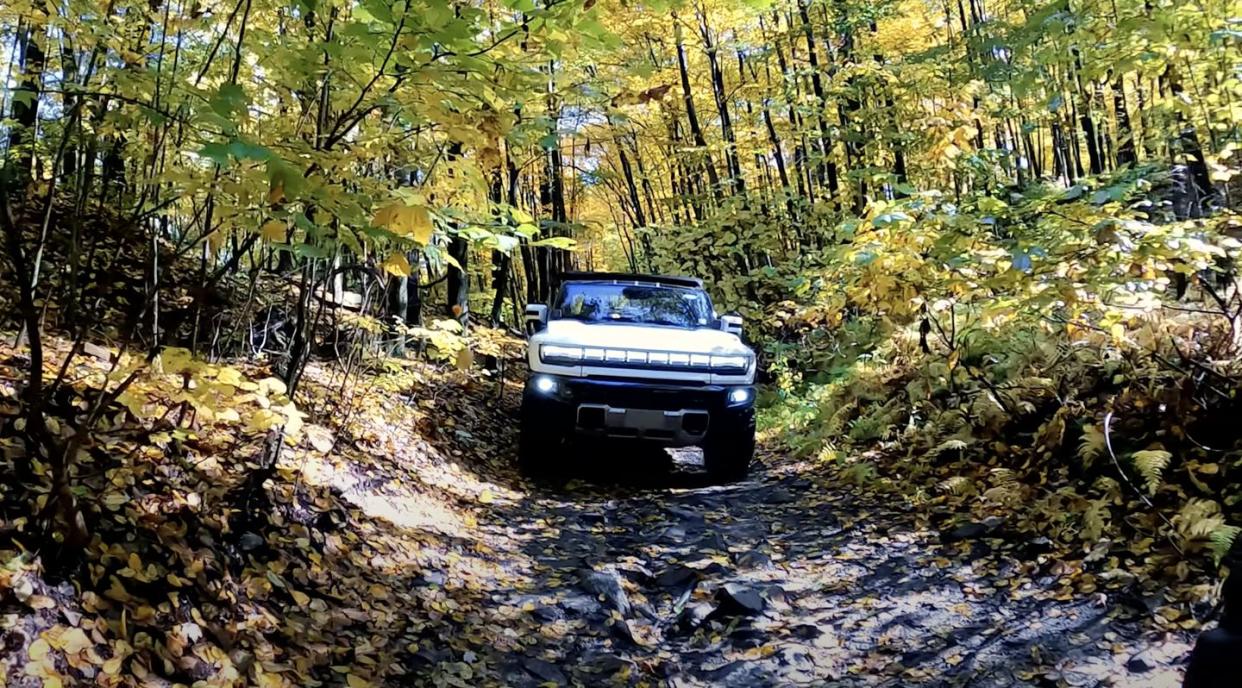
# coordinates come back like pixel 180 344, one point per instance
pixel 736 181
pixel 827 166
pixel 25 109
pixel 457 293
pixel 696 131
pixel 1127 152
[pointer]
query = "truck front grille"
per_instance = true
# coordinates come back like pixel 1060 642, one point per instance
pixel 646 396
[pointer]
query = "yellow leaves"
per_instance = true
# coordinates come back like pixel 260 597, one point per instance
pixel 274 231
pixel 356 681
pixel 410 221
pixel 113 665
pixel 61 645
pixel 272 387
pixel 396 264
pixel 1118 333
pixel 465 358
pixel 73 641
pixel 300 597
pixel 229 376
pixel 264 420
pixel 39 649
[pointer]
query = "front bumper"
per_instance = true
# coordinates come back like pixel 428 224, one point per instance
pixel 653 411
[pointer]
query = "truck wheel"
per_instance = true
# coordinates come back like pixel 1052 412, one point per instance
pixel 727 454
pixel 541 447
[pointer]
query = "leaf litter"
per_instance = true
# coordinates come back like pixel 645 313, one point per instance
pixel 402 548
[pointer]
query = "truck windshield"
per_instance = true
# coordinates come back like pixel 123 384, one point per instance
pixel 598 302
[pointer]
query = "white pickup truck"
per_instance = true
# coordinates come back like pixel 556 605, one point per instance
pixel 640 358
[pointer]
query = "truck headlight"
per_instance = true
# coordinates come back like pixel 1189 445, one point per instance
pixel 741 395
pixel 555 353
pixel 544 384
pixel 730 364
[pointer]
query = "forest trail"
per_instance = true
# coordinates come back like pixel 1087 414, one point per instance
pixel 634 574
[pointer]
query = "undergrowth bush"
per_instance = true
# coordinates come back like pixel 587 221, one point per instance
pixel 1067 360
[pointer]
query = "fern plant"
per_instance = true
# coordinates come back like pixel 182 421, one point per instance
pixel 1091 445
pixel 861 473
pixel 1200 523
pixel 1150 464
pixel 951 444
pixel 957 485
pixel 1221 540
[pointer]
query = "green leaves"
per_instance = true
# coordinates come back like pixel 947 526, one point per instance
pixel 284 180
pixel 239 149
pixel 216 152
pixel 229 101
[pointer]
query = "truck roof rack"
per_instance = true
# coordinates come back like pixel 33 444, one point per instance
pixel 671 280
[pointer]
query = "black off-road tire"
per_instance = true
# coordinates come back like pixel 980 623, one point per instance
pixel 541 448
pixel 729 452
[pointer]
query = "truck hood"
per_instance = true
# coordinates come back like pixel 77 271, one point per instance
pixel 646 337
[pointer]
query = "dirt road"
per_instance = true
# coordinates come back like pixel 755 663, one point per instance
pixel 634 573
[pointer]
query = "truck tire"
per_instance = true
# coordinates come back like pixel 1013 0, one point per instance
pixel 541 447
pixel 728 452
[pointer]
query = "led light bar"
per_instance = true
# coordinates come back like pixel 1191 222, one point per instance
pixel 554 353
pixel 576 355
pixel 738 363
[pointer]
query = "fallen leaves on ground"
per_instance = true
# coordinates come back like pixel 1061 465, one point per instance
pixel 402 548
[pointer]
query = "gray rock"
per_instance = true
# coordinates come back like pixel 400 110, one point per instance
pixel 714 540
pixel 674 535
pixel 544 670
pixel 779 495
pixel 733 599
pixel 547 613
pixel 676 576
pixel 973 530
pixel 796 657
pixel 604 663
pixel 607 584
pixel 738 674
pixel 1141 663
pixel 777 596
pixel 806 631
pixel 691 617
pixel 753 559
pixel 250 541
pixel 746 637
pixel 579 605
pixel 637 573
pixel 621 631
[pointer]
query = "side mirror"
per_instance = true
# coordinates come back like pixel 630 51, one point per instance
pixel 536 317
pixel 731 324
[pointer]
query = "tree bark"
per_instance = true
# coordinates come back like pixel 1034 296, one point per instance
pixel 25 111
pixel 827 166
pixel 696 130
pixel 737 182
